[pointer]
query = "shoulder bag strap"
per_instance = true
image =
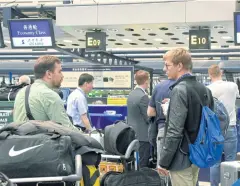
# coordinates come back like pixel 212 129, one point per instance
pixel 28 111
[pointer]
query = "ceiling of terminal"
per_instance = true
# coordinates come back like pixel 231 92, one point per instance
pixel 147 36
pixel 143 36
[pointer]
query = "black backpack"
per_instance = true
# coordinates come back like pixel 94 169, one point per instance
pixel 143 177
pixel 117 138
pixel 9 93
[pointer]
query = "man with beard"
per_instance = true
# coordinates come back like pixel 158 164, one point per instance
pixel 44 103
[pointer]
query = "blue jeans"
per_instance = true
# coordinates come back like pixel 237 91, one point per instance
pixel 230 153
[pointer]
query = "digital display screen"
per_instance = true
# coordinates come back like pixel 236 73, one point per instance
pixel 237 28
pixel 31 33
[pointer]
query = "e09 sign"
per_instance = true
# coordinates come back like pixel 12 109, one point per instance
pixel 95 41
pixel 199 39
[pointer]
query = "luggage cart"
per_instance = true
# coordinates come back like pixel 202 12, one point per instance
pixel 130 159
pixel 41 180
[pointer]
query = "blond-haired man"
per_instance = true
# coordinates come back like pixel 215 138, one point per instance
pixel 184 113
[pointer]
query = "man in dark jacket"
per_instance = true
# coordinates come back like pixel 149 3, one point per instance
pixel 184 113
pixel 137 104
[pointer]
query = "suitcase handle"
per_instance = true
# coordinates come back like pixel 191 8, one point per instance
pixel 71 178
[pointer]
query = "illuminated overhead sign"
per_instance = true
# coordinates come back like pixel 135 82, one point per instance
pixel 199 39
pixel 95 41
pixel 31 33
pixel 237 28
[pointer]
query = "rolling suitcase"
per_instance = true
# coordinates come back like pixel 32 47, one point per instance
pixel 230 172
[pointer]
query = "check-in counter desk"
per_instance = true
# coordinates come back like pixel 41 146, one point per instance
pixel 104 115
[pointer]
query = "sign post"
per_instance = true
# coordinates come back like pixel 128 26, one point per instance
pixel 199 39
pixel 31 33
pixel 95 41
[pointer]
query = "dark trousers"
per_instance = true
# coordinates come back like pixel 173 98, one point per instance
pixel 144 154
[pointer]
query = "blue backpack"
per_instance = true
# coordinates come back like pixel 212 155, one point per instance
pixel 207 149
pixel 222 115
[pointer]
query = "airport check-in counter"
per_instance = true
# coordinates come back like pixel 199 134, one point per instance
pixel 101 115
pixel 104 115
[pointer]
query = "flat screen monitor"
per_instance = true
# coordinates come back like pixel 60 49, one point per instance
pixel 237 28
pixel 31 33
pixel 1 37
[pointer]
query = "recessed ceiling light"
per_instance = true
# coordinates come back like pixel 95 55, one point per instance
pixel 218 27
pixel 181 27
pixel 148 44
pixel 142 39
pixel 129 29
pixel 164 43
pixel 226 37
pixel 127 40
pixel 67 41
pixel 158 39
pixel 111 39
pixel 7 41
pixel 112 29
pixel 223 32
pixel 121 35
pixel 194 27
pixel 80 31
pixel 169 34
pixel 75 44
pixel 146 29
pixel 61 45
pixel 179 43
pixel 163 28
pixel 174 38
pixel 152 34
pixel 136 35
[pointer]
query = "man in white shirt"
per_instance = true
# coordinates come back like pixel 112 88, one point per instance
pixel 226 92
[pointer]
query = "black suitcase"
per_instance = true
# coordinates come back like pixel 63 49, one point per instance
pixel 143 177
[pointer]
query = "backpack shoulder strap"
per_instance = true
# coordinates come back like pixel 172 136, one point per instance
pixel 28 111
pixel 195 94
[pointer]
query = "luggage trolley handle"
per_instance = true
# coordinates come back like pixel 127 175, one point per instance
pixel 70 178
pixel 133 146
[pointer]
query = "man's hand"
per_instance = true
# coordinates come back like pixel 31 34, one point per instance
pixel 162 171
